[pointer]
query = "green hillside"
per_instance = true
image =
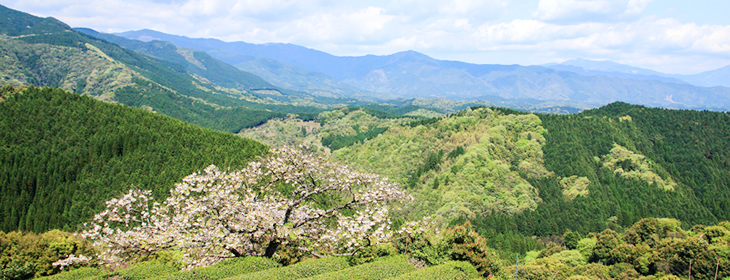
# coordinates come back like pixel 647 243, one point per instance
pixel 218 96
pixel 687 147
pixel 62 155
pixel 330 130
pixel 511 172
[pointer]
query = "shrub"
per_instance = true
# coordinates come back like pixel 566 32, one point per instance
pixel 621 271
pixel 593 271
pixel 621 254
pixel 303 269
pixel 534 272
pixel 467 245
pixel 382 269
pixel 571 239
pixel 25 255
pixel 145 270
pixel 76 274
pixel 606 241
pixel 551 249
pixel 449 270
pixel 369 254
pixel 228 268
pixel 585 246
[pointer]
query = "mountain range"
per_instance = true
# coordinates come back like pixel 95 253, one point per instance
pixel 711 78
pixel 410 74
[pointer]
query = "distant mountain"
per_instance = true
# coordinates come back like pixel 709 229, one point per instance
pixel 712 78
pixel 185 84
pixel 287 65
pixel 717 77
pixel 195 62
pixel 610 66
pixel 411 74
pixel 297 78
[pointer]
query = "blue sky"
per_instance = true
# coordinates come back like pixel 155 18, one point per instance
pixel 670 36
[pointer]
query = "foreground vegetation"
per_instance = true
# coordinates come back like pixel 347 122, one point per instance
pixel 650 249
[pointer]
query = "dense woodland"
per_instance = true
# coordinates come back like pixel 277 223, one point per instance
pixel 689 146
pixel 64 154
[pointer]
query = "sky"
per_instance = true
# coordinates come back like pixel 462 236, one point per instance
pixel 670 36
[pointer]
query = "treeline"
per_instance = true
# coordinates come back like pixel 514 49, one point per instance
pixel 62 155
pixel 649 249
pixel 689 146
pixel 145 94
pixel 336 142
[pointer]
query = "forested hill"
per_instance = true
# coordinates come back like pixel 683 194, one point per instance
pixel 62 155
pixel 509 171
pixel 685 146
pixel 46 52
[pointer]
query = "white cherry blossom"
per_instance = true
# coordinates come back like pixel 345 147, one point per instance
pixel 289 197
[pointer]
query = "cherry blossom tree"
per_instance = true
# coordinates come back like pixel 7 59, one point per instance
pixel 289 198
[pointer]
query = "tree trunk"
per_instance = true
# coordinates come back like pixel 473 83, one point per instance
pixel 271 249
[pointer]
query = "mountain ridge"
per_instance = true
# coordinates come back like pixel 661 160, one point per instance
pixel 410 74
pixel 710 78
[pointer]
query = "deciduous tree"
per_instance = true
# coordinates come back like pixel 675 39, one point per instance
pixel 290 198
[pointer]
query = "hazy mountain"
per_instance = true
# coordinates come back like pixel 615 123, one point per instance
pixel 712 78
pixel 195 62
pixel 612 69
pixel 184 84
pixel 411 74
pixel 297 78
pixel 609 66
pixel 717 77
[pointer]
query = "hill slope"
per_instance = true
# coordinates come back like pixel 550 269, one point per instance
pixel 62 155
pixel 602 168
pixel 84 64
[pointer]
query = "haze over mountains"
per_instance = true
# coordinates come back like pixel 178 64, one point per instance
pixel 410 74
pixel 712 78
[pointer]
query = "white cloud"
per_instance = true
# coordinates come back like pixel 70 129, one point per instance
pixel 470 30
pixel 572 11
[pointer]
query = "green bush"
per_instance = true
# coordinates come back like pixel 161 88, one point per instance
pixel 25 255
pixel 449 270
pixel 571 239
pixel 89 273
pixel 593 271
pixel 533 272
pixel 81 273
pixel 467 245
pixel 303 269
pixel 606 241
pixel 144 270
pixel 382 269
pixel 372 253
pixel 551 249
pixel 228 268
